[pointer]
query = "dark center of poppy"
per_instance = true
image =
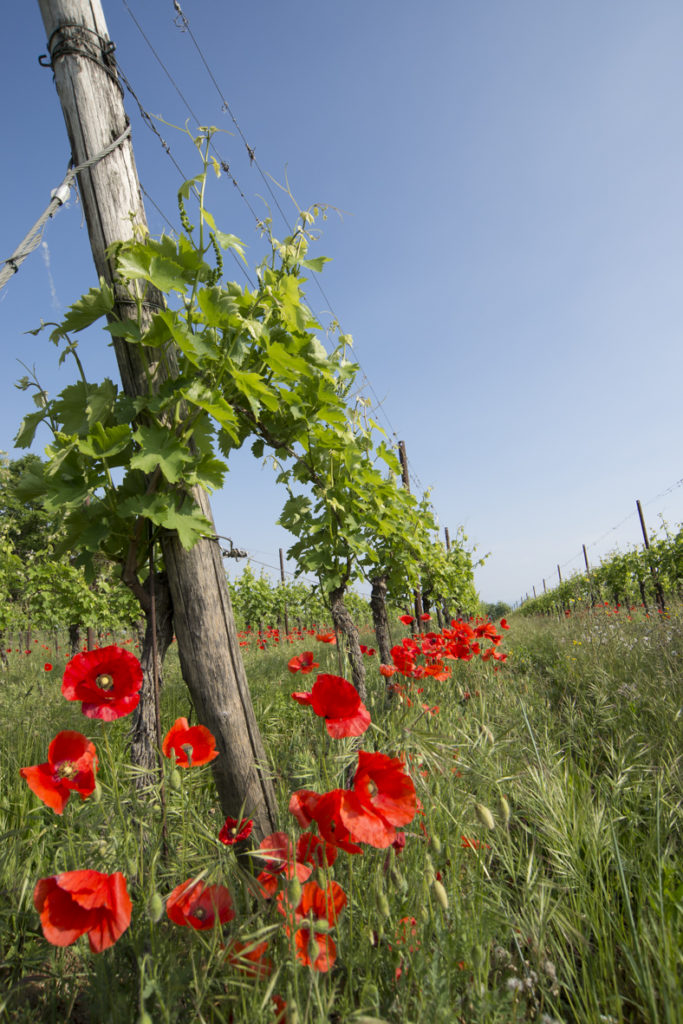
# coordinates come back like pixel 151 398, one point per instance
pixel 189 750
pixel 199 913
pixel 372 788
pixel 105 681
pixel 67 770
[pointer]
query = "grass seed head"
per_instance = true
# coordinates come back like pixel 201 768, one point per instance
pixel 383 904
pixel 484 815
pixel 440 893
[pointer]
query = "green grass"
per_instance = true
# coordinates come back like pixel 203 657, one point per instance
pixel 573 913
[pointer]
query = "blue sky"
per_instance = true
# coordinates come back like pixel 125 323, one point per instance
pixel 508 260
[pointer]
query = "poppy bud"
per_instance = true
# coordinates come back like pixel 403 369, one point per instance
pixel 383 904
pixel 321 877
pixel 156 907
pixel 322 925
pixel 145 1018
pixel 424 912
pixel 484 815
pixel 369 995
pixel 313 948
pixel 504 810
pixel 436 843
pixel 440 893
pixel 96 795
pixel 397 878
pixel 294 892
pixel 430 874
pixel 175 780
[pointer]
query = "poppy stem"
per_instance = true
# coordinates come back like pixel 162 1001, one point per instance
pixel 324 751
pixel 113 769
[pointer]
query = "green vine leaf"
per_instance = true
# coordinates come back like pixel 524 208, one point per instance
pixel 190 524
pixel 214 404
pixel 86 311
pixel 105 443
pixel 254 389
pixel 28 427
pixel 316 264
pixel 160 447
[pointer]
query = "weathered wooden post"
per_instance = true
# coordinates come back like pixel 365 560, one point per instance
pixel 403 458
pixel 646 540
pixel 282 581
pixel 81 55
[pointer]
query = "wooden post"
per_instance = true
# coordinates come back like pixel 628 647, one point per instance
pixel 534 590
pixel 545 589
pixel 448 538
pixel 91 97
pixel 646 540
pixel 282 580
pixel 403 459
pixel 559 574
pixel 588 573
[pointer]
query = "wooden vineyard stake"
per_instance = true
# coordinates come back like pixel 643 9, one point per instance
pixel 646 540
pixel 403 459
pixel 91 97
pixel 282 580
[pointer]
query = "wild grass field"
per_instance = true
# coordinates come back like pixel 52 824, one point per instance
pixel 541 879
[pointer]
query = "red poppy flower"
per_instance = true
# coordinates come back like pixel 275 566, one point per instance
pixel 473 844
pixel 314 950
pixel 387 670
pixel 382 784
pixel 77 903
pixel 302 663
pixel 250 958
pixel 313 850
pixel 192 745
pixel 327 815
pixel 407 620
pixel 337 701
pixel 302 803
pixel 71 765
pixel 425 617
pixel 47 666
pixel 199 906
pixel 503 624
pixel 403 660
pixel 365 824
pixel 107 681
pixel 277 850
pixel 235 831
pixel 317 903
pixel 326 638
pixel 280 1008
pixel 399 843
pixel 368 651
pixel 406 932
